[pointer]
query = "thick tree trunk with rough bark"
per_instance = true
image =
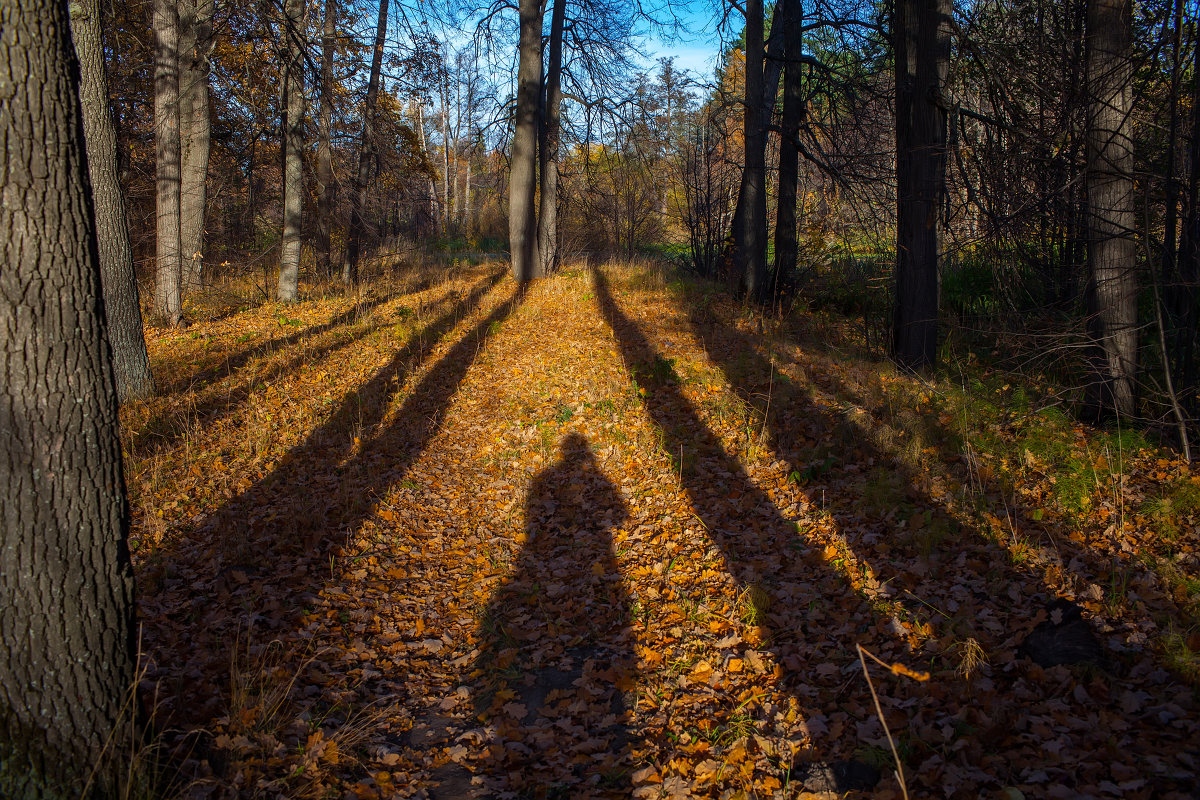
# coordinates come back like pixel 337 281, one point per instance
pixel 168 289
pixel 66 585
pixel 551 129
pixel 522 182
pixel 366 149
pixel 754 185
pixel 921 35
pixel 1111 246
pixel 293 153
pixel 325 188
pixel 118 279
pixel 195 133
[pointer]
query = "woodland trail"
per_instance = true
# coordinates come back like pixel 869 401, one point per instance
pixel 608 537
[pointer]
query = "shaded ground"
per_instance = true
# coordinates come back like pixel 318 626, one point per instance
pixel 611 538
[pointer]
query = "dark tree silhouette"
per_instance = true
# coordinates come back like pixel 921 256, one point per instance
pixel 66 586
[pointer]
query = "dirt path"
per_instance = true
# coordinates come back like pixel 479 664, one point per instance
pixel 555 544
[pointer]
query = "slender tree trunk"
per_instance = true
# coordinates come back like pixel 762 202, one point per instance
pixel 325 187
pixel 786 249
pixel 66 585
pixel 447 200
pixel 754 233
pixel 522 182
pixel 1189 254
pixel 124 316
pixel 466 202
pixel 922 41
pixel 425 149
pixel 1111 247
pixel 168 291
pixel 1171 188
pixel 195 132
pixel 548 151
pixel 366 150
pixel 775 55
pixel 293 153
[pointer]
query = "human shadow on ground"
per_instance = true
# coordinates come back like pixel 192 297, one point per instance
pixel 266 554
pixel 556 659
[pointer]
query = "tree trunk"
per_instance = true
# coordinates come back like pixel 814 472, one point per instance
pixel 118 279
pixel 522 223
pixel 1111 247
pixel 548 151
pixel 366 149
pixel 922 41
pixel 775 54
pixel 786 249
pixel 425 149
pixel 754 232
pixel 293 153
pixel 195 131
pixel 66 585
pixel 168 298
pixel 447 200
pixel 1189 255
pixel 325 187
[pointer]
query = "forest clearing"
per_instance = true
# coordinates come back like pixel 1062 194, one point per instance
pixel 585 398
pixel 616 536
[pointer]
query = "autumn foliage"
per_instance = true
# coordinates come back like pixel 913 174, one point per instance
pixel 614 536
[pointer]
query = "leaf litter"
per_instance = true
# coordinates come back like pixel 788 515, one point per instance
pixel 612 536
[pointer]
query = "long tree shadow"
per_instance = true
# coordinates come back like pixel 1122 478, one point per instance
pixel 215 401
pixel 259 557
pixel 555 656
pixel 234 362
pixel 946 573
pixel 763 551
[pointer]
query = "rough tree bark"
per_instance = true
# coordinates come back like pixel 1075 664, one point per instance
pixel 1111 247
pixel 168 296
pixel 753 252
pixel 366 151
pixel 118 279
pixel 550 131
pixel 293 152
pixel 66 585
pixel 522 182
pixel 921 33
pixel 195 133
pixel 325 187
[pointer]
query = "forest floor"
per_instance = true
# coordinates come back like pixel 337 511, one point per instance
pixel 617 536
